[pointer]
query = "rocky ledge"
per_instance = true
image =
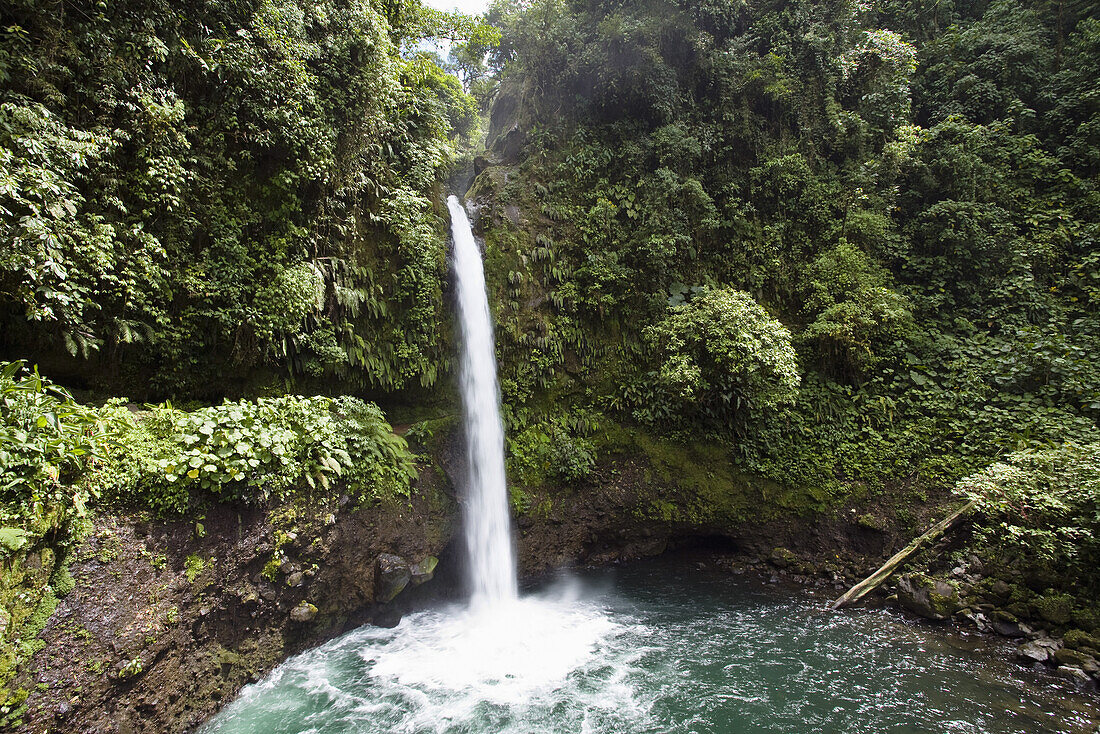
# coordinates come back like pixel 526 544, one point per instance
pixel 167 621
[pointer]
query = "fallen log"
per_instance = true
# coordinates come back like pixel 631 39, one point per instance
pixel 875 580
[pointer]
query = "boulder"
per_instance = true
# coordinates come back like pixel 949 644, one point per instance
pixel 391 575
pixel 303 613
pixel 782 558
pixel 423 571
pixel 1078 639
pixel 1008 629
pixel 1033 652
pixel 1056 609
pixel 266 590
pixel 1049 643
pixel 930 598
pixel 975 618
pixel 1073 658
pixel 1000 591
pixel 1076 675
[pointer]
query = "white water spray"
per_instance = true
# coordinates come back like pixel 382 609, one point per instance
pixel 488 528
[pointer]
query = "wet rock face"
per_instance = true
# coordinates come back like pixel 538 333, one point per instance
pixel 391 575
pixel 304 612
pixel 930 598
pixel 424 571
pixel 164 626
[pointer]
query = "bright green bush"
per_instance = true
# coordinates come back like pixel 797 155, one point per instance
pixel 254 451
pixel 1042 508
pixel 48 443
pixel 722 354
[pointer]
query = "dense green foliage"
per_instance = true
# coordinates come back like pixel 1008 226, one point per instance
pixel 1043 512
pixel 254 451
pixel 59 457
pixel 848 245
pixel 911 192
pixel 47 445
pixel 226 187
pixel 722 353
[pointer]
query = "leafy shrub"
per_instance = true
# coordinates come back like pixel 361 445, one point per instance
pixel 48 442
pixel 252 451
pixel 560 448
pixel 1042 508
pixel 856 310
pixel 722 354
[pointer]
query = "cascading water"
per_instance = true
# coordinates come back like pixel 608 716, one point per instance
pixel 666 653
pixel 488 529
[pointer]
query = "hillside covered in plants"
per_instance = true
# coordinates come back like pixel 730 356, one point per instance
pixel 829 263
pixel 855 244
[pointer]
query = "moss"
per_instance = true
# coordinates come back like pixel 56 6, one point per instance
pixel 193 567
pixel 1087 617
pixel 706 486
pixel 63 582
pixel 271 570
pixel 783 558
pixel 1056 609
pixel 942 604
pixel 47 605
pixel 12 707
pixel 28 602
pixel 1079 638
pixel 870 521
pixel 227 658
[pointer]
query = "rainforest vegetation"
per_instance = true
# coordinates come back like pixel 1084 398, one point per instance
pixel 856 244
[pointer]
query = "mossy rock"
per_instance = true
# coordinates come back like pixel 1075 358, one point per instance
pixel 934 599
pixel 62 582
pixel 1057 609
pixel 700 483
pixel 1079 638
pixel 1087 618
pixel 304 612
pixel 1066 656
pixel 423 571
pixel 871 522
pixel 782 558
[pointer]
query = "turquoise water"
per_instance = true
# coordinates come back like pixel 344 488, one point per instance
pixel 660 647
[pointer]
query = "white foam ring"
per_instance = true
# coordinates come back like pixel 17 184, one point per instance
pixel 537 664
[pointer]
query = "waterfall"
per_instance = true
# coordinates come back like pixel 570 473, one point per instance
pixel 488 527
